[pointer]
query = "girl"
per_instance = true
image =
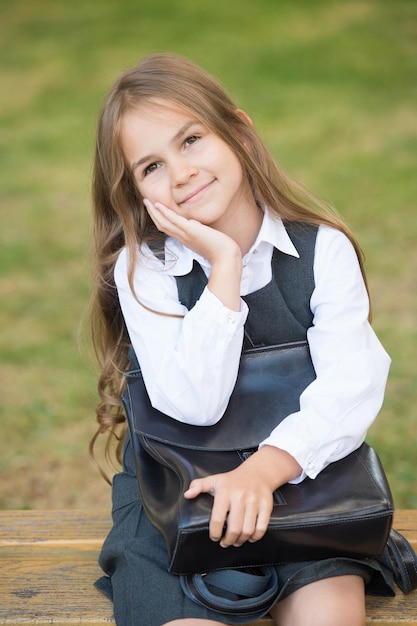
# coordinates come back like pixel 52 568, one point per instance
pixel 181 177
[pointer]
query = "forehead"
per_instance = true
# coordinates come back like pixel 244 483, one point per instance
pixel 150 126
pixel 158 112
pixel 151 122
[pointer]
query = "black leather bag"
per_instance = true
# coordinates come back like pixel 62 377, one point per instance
pixel 346 511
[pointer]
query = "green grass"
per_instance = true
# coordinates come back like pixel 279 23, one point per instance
pixel 332 88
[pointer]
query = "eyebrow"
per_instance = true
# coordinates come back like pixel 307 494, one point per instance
pixel 174 139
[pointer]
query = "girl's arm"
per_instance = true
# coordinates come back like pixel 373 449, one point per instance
pixel 189 359
pixel 352 367
pixel 335 410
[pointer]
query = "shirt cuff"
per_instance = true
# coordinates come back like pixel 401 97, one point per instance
pixel 311 461
pixel 215 309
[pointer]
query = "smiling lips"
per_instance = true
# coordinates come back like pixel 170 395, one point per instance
pixel 197 193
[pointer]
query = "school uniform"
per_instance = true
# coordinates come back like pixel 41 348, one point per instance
pixel 190 367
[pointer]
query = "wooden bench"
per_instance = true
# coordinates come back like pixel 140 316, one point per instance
pixel 48 563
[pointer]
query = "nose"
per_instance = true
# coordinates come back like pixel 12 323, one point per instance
pixel 182 170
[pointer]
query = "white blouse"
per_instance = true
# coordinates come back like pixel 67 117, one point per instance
pixel 190 362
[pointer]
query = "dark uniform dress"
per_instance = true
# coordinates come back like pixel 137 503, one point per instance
pixel 134 555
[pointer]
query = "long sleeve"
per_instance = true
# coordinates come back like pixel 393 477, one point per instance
pixel 189 364
pixel 351 365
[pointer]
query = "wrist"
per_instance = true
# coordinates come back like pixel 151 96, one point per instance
pixel 224 280
pixel 276 465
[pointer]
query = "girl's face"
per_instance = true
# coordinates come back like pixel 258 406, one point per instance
pixel 179 162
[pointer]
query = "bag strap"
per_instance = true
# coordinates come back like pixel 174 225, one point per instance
pixel 250 592
pixel 402 560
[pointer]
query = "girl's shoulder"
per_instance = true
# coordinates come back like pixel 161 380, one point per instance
pixel 335 254
pixel 330 237
pixel 145 262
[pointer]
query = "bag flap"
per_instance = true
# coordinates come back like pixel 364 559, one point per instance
pixel 268 388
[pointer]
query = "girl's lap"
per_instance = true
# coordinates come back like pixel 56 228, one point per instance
pixel 134 559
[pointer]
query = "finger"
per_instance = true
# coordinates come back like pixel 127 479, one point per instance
pixel 218 518
pixel 170 216
pixel 187 226
pixel 262 522
pixel 199 485
pixel 241 524
pixel 220 504
pixel 248 527
pixel 165 210
pixel 235 523
pixel 164 219
pixel 154 213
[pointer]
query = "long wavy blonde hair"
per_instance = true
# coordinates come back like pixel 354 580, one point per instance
pixel 120 219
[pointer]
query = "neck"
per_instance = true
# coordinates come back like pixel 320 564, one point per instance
pixel 246 226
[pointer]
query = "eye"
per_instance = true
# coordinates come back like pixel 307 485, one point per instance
pixel 150 168
pixel 191 139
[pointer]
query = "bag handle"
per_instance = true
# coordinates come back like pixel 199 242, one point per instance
pixel 250 592
pixel 402 560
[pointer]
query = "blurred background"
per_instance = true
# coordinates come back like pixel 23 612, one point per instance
pixel 330 85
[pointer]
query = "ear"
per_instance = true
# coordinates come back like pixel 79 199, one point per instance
pixel 245 117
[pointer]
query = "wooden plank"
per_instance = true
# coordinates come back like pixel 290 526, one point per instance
pixel 17 527
pixel 48 563
pixel 48 567
pixel 51 585
pixel 398 611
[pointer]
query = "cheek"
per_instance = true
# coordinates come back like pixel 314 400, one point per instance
pixel 155 189
pixel 235 172
pixel 227 159
pixel 145 187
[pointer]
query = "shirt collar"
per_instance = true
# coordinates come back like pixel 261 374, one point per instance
pixel 179 259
